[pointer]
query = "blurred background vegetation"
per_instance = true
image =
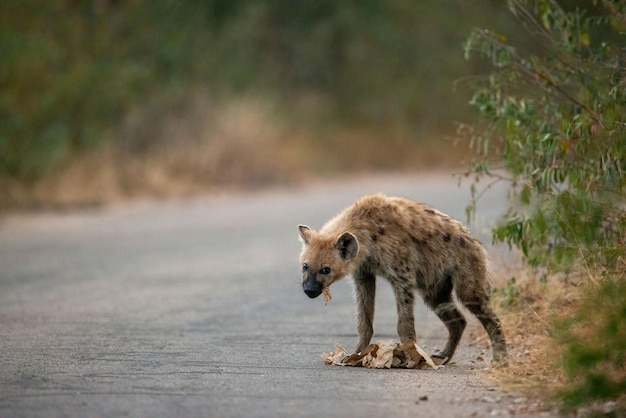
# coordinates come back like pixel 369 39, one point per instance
pixel 102 99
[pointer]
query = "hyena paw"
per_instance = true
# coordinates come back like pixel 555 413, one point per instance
pixel 500 359
pixel 440 358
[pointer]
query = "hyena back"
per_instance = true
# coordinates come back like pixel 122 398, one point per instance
pixel 416 248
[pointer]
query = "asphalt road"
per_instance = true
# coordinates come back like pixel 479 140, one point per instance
pixel 194 308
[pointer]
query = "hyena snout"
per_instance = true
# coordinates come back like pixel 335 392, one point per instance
pixel 312 287
pixel 313 293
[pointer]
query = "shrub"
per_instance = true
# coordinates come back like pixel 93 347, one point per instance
pixel 594 358
pixel 555 123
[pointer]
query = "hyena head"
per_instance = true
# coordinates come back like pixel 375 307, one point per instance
pixel 325 259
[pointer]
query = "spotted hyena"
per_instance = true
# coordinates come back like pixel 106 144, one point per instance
pixel 413 246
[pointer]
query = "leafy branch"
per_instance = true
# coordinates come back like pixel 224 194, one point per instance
pixel 555 118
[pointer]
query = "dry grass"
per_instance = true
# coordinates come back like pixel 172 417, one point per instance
pixel 236 145
pixel 201 146
pixel 547 319
pixel 527 315
pixel 90 180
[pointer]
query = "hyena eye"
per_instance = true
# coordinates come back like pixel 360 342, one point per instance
pixel 305 267
pixel 325 270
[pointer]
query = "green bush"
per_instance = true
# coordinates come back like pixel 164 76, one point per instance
pixel 553 124
pixel 594 338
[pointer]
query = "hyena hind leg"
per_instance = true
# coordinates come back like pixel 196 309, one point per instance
pixel 443 306
pixel 492 325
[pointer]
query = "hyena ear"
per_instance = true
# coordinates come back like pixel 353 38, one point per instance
pixel 347 245
pixel 305 233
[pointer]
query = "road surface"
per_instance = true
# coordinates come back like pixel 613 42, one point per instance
pixel 194 308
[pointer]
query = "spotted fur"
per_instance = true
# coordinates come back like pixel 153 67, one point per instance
pixel 417 249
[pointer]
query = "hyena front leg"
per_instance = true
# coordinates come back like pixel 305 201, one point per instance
pixel 365 292
pixel 404 303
